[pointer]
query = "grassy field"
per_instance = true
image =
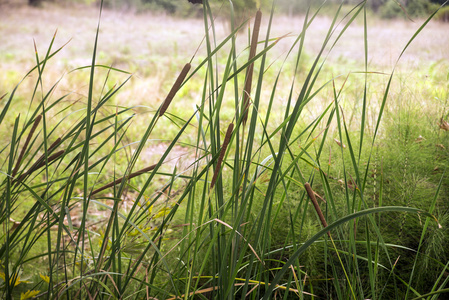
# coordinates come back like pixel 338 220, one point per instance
pixel 326 179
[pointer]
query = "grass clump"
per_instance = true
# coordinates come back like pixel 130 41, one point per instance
pixel 314 197
pixel 443 14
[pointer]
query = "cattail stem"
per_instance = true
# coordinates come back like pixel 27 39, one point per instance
pixel 249 71
pixel 132 175
pixel 315 204
pixel 222 153
pixel 175 88
pixel 25 146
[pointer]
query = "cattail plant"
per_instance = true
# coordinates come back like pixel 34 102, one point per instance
pixel 312 197
pixel 246 234
pixel 40 162
pixel 175 88
pixel 25 146
pixel 222 153
pixel 118 181
pixel 250 69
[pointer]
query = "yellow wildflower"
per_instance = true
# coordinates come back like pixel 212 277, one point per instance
pixel 136 232
pixel 29 294
pixel 45 278
pixel 162 213
pixel 13 278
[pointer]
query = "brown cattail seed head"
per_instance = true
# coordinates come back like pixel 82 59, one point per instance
pixel 40 163
pixel 118 181
pixel 315 204
pixel 27 141
pixel 222 153
pixel 55 143
pixel 175 88
pixel 249 71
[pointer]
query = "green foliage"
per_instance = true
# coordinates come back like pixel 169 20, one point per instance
pixel 419 8
pixel 413 8
pixel 168 6
pixel 35 3
pixel 184 8
pixel 390 10
pixel 237 221
pixel 443 14
pixel 293 7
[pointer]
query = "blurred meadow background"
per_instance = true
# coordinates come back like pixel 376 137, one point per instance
pixel 156 149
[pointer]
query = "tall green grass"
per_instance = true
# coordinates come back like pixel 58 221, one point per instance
pixel 272 205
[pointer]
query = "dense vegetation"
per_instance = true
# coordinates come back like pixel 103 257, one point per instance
pixel 385 8
pixel 304 174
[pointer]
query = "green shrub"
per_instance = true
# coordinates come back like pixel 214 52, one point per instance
pixel 390 10
pixel 443 14
pixel 293 7
pixel 414 8
pixel 418 8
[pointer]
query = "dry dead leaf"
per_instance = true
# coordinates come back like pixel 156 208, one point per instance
pixel 340 143
pixel 444 125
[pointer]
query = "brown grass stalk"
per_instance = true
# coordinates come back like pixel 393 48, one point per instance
pixel 25 146
pixel 52 146
pixel 175 88
pixel 50 159
pixel 132 175
pixel 40 160
pixel 250 69
pixel 315 204
pixel 222 153
pixel 40 163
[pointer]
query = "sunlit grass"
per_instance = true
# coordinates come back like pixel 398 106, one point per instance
pixel 173 182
